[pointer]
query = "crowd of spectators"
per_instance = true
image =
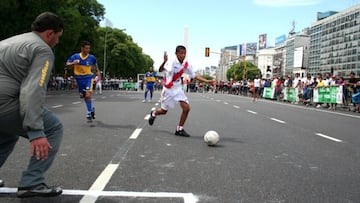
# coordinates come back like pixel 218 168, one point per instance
pixel 246 87
pixel 304 85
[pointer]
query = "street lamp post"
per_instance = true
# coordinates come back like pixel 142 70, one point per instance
pixel 108 23
pixel 104 68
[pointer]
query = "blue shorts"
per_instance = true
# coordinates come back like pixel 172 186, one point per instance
pixel 150 86
pixel 84 83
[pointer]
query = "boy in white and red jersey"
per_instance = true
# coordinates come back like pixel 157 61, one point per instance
pixel 172 92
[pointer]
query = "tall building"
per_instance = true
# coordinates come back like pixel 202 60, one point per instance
pixel 335 43
pixel 296 53
pixel 227 58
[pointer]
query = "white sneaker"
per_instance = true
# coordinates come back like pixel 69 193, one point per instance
pixel 149 100
pixel 143 101
pixel 318 106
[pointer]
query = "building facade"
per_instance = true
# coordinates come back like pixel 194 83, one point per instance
pixel 335 43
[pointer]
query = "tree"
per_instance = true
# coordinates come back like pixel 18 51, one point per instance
pixel 81 22
pixel 236 71
pixel 124 58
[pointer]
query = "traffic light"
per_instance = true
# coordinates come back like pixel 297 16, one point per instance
pixel 207 51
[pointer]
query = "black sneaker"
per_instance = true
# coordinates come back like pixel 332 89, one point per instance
pixel 182 133
pixel 2 183
pixel 41 190
pixel 151 119
pixel 93 113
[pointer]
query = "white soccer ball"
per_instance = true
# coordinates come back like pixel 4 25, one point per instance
pixel 211 137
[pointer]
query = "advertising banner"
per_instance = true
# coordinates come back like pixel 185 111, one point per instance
pixel 291 94
pixel 268 93
pixel 330 95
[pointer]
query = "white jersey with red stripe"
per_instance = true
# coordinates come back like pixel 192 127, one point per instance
pixel 174 68
pixel 171 96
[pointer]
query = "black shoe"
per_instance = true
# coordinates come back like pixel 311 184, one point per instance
pixel 151 119
pixel 182 133
pixel 2 183
pixel 93 113
pixel 41 190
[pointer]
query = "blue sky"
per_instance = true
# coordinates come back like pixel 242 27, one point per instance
pixel 158 25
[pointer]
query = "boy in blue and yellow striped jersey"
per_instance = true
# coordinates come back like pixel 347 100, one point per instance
pixel 84 65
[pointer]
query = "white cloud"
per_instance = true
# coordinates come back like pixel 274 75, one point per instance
pixel 285 3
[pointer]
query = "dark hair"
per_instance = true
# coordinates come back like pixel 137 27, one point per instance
pixel 84 43
pixel 47 21
pixel 180 47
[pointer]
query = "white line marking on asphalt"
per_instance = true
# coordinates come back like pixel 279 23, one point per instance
pixel 136 133
pixel 100 183
pixel 103 97
pixel 188 197
pixel 253 112
pixel 218 100
pixel 147 117
pixel 76 102
pixel 238 107
pixel 328 137
pixel 57 106
pixel 226 103
pixel 277 120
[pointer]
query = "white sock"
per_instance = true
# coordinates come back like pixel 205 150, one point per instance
pixel 178 128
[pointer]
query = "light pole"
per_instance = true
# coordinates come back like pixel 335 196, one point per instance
pixel 108 23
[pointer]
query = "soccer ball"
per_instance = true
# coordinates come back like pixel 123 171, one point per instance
pixel 211 138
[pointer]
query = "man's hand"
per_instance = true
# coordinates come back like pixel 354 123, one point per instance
pixel 39 148
pixel 161 68
pixel 211 82
pixel 165 56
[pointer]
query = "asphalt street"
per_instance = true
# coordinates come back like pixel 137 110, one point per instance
pixel 268 152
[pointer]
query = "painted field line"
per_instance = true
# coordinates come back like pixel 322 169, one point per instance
pixel 277 120
pixel 188 197
pixel 328 137
pixel 100 183
pixel 136 133
pixel 253 112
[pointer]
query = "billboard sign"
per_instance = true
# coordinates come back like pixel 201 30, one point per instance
pixel 298 57
pixel 280 40
pixel 262 41
pixel 251 48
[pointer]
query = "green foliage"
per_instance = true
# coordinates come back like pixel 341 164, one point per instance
pixel 81 22
pixel 236 71
pixel 208 77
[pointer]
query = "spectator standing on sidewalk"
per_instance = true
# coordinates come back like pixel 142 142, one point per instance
pixel 320 84
pixel 257 84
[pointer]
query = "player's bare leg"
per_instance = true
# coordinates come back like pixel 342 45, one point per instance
pixel 154 113
pixel 185 112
